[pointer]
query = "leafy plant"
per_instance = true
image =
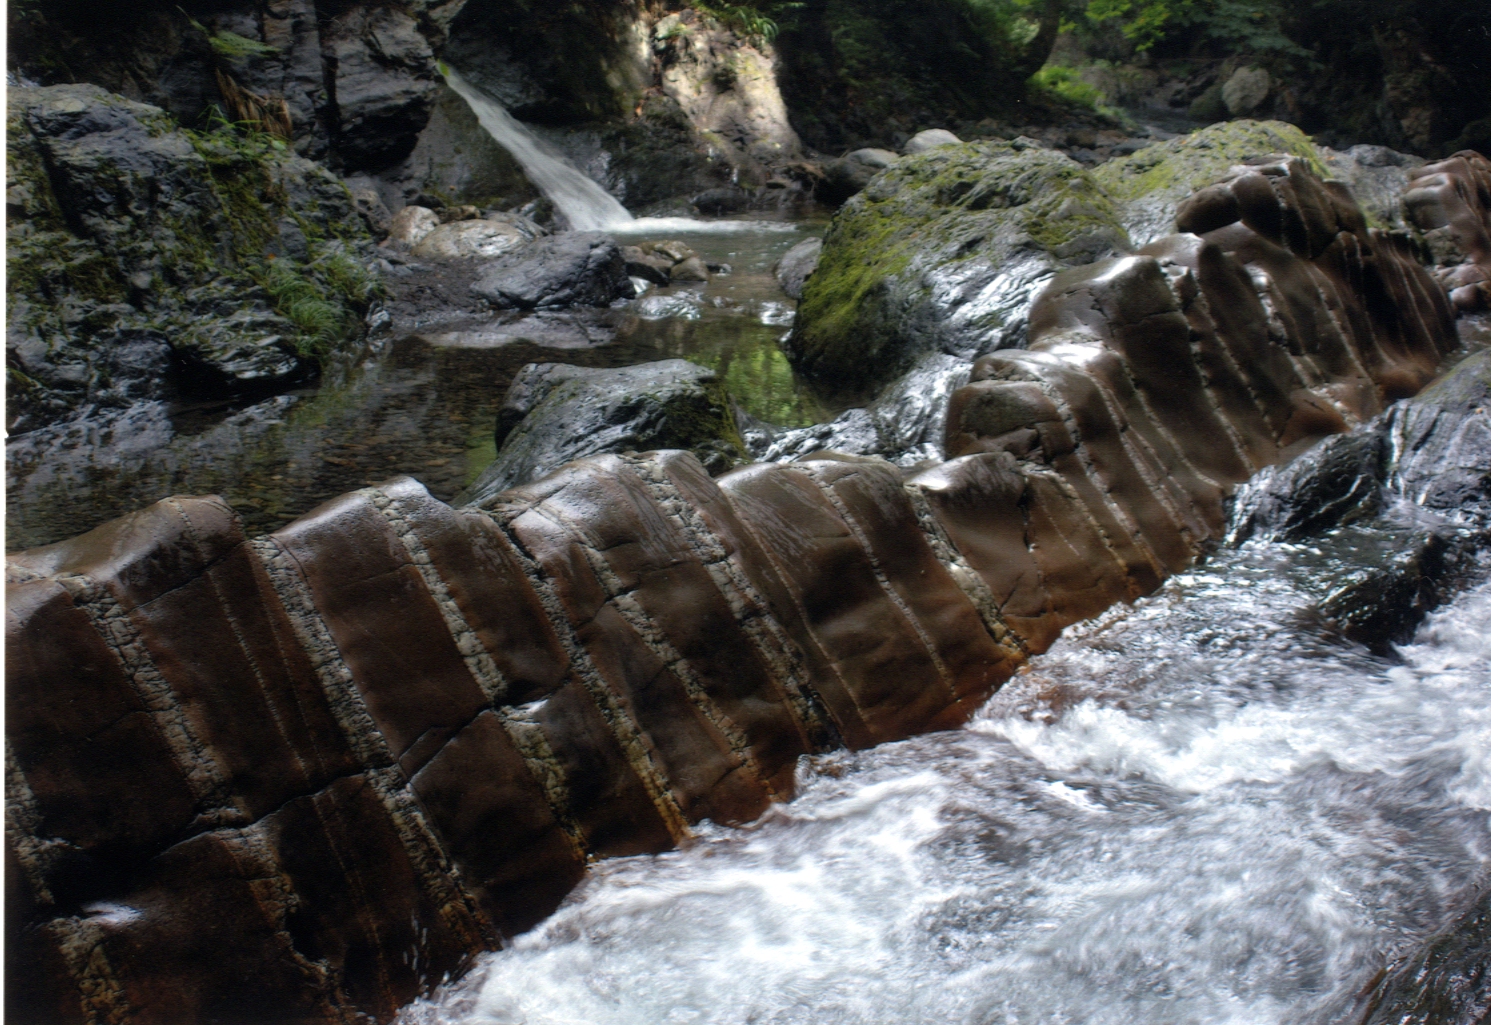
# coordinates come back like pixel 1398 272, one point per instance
pixel 755 21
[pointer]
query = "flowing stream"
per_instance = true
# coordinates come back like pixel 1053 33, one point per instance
pixel 1196 809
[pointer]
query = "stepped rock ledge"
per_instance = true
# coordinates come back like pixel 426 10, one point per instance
pixel 305 777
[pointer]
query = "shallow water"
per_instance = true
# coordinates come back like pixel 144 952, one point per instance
pixel 424 406
pixel 1197 809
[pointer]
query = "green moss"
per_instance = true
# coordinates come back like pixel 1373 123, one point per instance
pixel 985 201
pixel 1198 159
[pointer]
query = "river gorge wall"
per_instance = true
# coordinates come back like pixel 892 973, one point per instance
pixel 304 777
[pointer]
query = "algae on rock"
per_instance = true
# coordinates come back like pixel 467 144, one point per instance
pixel 151 262
pixel 1148 185
pixel 945 251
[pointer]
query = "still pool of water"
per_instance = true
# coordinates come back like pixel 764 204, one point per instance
pixel 1195 810
pixel 424 406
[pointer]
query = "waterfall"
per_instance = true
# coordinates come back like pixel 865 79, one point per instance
pixel 586 205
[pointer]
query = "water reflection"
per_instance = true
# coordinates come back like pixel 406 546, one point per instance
pixel 425 407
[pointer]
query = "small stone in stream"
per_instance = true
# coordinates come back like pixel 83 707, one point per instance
pixel 795 266
pixel 575 268
pixel 691 269
pixel 673 251
pixel 930 139
pixel 719 268
pixel 412 224
pixel 647 266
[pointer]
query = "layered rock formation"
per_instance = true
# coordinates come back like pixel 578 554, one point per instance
pixel 311 773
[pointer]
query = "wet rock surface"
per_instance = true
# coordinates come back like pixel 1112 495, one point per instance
pixel 1450 202
pixel 392 732
pixel 793 270
pixel 554 414
pixel 945 251
pixel 146 262
pixel 578 268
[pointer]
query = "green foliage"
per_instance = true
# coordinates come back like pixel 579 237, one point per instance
pixel 1251 26
pixel 1067 83
pixel 324 298
pixel 754 20
pixel 231 45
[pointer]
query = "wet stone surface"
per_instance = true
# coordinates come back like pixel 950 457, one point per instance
pixel 424 405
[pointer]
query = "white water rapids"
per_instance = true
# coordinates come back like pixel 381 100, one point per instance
pixel 1196 809
pixel 584 204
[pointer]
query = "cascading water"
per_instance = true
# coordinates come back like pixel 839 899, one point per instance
pixel 584 204
pixel 1197 809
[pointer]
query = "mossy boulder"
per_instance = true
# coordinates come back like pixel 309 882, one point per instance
pixel 1148 185
pixel 146 261
pixel 555 413
pixel 945 251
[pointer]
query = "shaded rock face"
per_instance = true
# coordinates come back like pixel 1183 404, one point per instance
pixel 797 265
pixel 944 251
pixel 575 268
pixel 852 172
pixel 554 414
pixel 148 262
pixel 349 83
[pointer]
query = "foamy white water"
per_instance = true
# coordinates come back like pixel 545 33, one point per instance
pixel 584 204
pixel 1195 810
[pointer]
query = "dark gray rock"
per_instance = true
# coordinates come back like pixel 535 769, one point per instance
pixel 721 201
pixel 647 266
pixel 904 424
pixel 127 235
pixel 555 413
pixel 578 268
pixel 852 172
pixel 384 79
pixel 1446 982
pixel 797 264
pixel 1440 444
pixel 1337 482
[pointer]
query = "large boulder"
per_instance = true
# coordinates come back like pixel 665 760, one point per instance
pixel 945 251
pixel 555 413
pixel 146 261
pixel 1148 185
pixel 577 268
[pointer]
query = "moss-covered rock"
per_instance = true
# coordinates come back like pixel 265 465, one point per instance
pixel 1150 184
pixel 945 251
pixel 148 262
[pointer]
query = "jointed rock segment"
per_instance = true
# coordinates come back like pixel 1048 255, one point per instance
pixel 305 776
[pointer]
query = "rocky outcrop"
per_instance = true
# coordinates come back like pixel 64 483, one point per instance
pixel 1450 202
pixel 574 268
pixel 349 83
pixel 317 770
pixel 944 251
pixel 1148 185
pixel 149 262
pixel 555 413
